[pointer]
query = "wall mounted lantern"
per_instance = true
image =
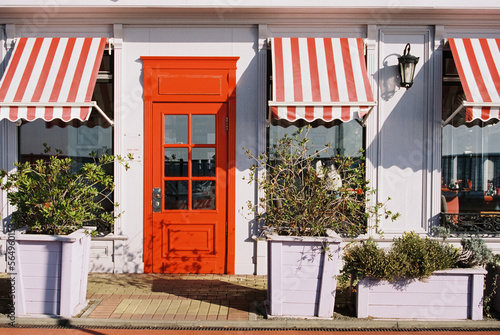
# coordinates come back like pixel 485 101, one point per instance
pixel 407 64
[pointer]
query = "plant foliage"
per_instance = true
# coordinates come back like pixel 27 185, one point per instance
pixel 304 198
pixel 475 252
pixel 52 199
pixel 409 257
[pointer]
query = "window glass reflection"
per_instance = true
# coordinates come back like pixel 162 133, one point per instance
pixel 176 194
pixel 176 162
pixel 204 194
pixel 203 162
pixel 176 129
pixel 204 129
pixel 470 161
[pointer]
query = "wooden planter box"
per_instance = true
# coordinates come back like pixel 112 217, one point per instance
pixel 301 276
pixel 51 273
pixel 448 294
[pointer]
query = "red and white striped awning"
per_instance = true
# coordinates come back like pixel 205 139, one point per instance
pixel 478 65
pixel 49 78
pixel 319 79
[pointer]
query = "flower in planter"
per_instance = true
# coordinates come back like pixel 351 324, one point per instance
pixel 50 198
pixel 305 195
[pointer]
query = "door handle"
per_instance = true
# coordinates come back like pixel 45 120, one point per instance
pixel 156 199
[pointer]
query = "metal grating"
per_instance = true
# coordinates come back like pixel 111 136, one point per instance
pixel 260 329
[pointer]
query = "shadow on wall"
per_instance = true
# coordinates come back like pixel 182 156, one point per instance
pixel 402 139
pixel 402 148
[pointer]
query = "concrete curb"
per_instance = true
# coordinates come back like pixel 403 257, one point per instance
pixel 358 324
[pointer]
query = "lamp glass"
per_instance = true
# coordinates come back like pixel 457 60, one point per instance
pixel 407 64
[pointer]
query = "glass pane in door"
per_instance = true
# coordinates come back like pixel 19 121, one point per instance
pixel 176 129
pixel 204 194
pixel 176 194
pixel 203 162
pixel 203 129
pixel 176 162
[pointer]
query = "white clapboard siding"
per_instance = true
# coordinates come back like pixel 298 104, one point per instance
pixel 301 278
pixel 51 273
pixel 447 295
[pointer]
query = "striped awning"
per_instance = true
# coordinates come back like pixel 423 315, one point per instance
pixel 478 66
pixel 319 79
pixel 51 78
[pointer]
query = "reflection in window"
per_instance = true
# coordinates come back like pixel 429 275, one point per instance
pixel 176 162
pixel 176 129
pixel 470 177
pixel 176 194
pixel 76 139
pixel 203 129
pixel 203 162
pixel 204 194
pixel 345 139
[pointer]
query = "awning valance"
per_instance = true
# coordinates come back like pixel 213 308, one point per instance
pixel 51 78
pixel 478 66
pixel 319 79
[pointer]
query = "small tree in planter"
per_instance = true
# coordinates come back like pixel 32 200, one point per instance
pixel 417 277
pixel 49 253
pixel 306 205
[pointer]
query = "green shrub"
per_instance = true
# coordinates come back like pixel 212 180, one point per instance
pixel 301 197
pixel 418 257
pixel 410 256
pixel 365 260
pixel 52 199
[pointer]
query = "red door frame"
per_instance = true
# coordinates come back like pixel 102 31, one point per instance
pixel 153 65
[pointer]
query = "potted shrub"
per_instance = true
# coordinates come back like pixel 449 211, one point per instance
pixel 306 206
pixel 417 278
pixel 48 254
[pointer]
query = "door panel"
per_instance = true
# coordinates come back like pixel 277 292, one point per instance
pixel 189 166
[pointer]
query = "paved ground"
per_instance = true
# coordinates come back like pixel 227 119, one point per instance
pixel 201 305
pixel 174 297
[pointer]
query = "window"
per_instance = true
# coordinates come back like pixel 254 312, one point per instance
pixel 470 178
pixel 75 139
pixel 346 139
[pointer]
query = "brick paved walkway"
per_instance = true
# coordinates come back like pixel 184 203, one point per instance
pixel 174 297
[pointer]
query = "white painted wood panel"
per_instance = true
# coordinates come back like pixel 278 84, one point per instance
pixel 403 136
pixel 419 299
pixel 302 271
pixel 43 270
pixel 57 288
pixel 299 309
pixel 298 286
pixel 48 257
pixel 33 295
pixel 301 296
pixel 301 282
pixel 36 283
pixel 449 294
pixel 41 307
pixel 411 312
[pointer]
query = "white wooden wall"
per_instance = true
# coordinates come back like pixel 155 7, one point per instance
pixel 404 137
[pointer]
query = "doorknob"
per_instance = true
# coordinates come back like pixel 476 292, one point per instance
pixel 156 199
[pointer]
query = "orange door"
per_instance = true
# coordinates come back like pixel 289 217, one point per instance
pixel 189 165
pixel 189 204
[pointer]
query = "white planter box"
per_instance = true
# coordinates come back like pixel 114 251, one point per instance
pixel 50 273
pixel 301 276
pixel 446 295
